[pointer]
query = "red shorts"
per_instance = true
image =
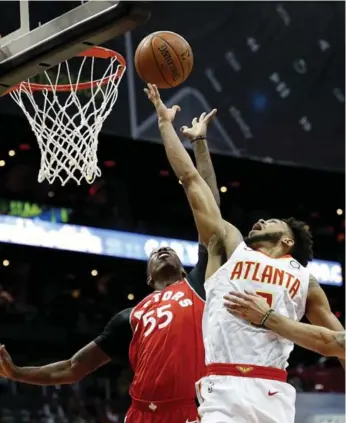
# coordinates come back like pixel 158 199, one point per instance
pixel 163 412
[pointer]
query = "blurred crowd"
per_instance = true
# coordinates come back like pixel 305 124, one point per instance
pixel 59 405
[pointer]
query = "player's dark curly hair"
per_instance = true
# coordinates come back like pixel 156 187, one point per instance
pixel 303 243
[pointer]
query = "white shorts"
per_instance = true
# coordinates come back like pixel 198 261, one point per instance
pixel 232 399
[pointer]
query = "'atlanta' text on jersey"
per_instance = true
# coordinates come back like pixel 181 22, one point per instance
pixel 265 273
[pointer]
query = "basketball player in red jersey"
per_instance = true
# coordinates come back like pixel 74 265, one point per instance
pixel 162 334
pixel 246 377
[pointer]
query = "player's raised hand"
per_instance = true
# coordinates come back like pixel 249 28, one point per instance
pixel 246 305
pixel 7 368
pixel 199 126
pixel 163 113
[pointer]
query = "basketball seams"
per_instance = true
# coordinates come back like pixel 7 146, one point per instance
pixel 156 56
pixel 182 67
pixel 157 64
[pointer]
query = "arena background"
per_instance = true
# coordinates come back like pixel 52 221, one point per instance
pixel 71 257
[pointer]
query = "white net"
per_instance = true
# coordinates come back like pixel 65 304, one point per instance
pixel 66 120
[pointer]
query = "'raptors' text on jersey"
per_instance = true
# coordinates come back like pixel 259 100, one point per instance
pixel 284 284
pixel 166 351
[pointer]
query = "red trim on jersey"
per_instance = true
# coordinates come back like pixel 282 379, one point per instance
pixel 158 406
pixel 275 258
pixel 246 370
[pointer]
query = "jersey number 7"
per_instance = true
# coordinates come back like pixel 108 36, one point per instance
pixel 267 295
pixel 160 318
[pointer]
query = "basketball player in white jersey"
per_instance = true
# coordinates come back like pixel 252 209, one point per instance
pixel 246 377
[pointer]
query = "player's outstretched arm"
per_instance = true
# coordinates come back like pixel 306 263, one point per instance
pixel 318 309
pixel 255 308
pixel 64 372
pixel 94 355
pixel 204 207
pixel 197 135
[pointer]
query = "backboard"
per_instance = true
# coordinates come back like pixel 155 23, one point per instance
pixel 31 42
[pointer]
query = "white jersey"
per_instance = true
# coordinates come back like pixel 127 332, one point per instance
pixel 229 339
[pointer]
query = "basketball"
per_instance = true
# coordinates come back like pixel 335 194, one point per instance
pixel 164 58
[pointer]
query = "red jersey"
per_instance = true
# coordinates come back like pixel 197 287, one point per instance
pixel 166 351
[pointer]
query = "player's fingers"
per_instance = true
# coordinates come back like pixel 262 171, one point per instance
pixel 251 293
pixel 239 313
pixel 236 310
pixel 210 115
pixel 3 352
pixel 150 89
pixel 2 358
pixel 233 306
pixel 183 129
pixel 194 121
pixel 202 117
pixel 148 93
pixel 242 295
pixel 235 301
pixel 230 298
pixel 176 108
pixel 155 91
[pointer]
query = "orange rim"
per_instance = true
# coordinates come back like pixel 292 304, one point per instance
pixel 97 52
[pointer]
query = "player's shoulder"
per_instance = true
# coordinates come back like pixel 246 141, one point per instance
pixel 187 285
pixel 175 290
pixel 145 300
pixel 293 265
pixel 243 249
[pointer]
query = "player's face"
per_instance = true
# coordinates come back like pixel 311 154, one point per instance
pixel 272 230
pixel 162 262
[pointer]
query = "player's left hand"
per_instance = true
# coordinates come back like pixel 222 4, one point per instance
pixel 199 126
pixel 7 368
pixel 246 305
pixel 163 113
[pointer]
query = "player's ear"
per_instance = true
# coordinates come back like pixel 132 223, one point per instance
pixel 287 241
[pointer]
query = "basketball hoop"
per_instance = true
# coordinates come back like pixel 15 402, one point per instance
pixel 67 128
